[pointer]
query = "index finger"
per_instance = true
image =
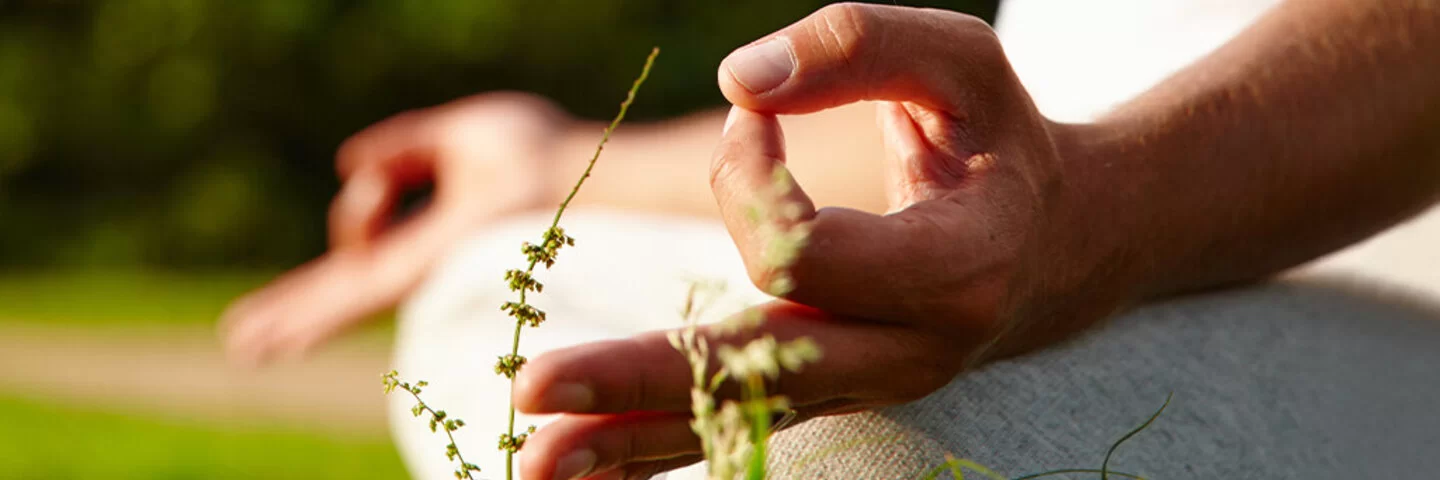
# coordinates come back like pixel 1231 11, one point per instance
pixel 764 209
pixel 844 261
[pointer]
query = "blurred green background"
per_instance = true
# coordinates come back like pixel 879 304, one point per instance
pixel 159 157
pixel 189 133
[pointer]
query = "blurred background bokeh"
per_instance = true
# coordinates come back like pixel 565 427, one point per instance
pixel 159 157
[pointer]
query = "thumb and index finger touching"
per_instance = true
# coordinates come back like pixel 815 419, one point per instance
pixel 842 54
pixel 372 262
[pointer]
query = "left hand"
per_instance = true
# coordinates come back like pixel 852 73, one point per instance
pixel 996 245
pixel 486 156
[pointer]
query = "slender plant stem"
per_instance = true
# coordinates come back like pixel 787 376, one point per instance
pixel 433 414
pixel 519 324
pixel 1077 470
pixel 1105 466
pixel 760 423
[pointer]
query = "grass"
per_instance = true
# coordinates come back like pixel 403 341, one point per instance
pixel 130 298
pixel 39 440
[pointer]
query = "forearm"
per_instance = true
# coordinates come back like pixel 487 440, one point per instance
pixel 662 167
pixel 1314 129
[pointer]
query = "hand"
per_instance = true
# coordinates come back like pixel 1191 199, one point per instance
pixel 486 155
pixel 993 246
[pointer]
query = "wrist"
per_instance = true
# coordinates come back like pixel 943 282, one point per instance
pixel 1105 209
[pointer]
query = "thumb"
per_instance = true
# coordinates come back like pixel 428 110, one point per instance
pixel 846 53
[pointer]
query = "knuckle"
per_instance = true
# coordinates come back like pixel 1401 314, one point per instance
pixel 962 23
pixel 777 266
pixel 845 29
pixel 724 166
pixel 965 20
pixel 357 147
pixel 766 277
pixel 983 41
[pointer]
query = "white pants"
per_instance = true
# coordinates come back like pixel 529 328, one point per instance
pixel 629 273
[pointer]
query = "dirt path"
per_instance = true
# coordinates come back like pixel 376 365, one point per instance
pixel 181 373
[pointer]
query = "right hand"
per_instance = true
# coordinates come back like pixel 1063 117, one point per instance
pixel 998 242
pixel 486 155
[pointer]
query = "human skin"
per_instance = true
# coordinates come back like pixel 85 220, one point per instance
pixel 499 154
pixel 1311 130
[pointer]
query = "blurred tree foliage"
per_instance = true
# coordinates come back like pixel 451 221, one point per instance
pixel 198 133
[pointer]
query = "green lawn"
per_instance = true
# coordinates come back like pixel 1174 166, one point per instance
pixel 130 297
pixel 45 441
pixel 121 297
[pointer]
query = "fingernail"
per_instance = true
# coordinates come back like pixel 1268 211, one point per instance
pixel 729 120
pixel 570 397
pixel 574 465
pixel 761 68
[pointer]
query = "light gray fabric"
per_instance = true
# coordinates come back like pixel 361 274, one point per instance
pixel 1312 380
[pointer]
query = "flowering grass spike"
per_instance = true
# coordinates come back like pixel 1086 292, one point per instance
pixel 522 282
pixel 438 420
pixel 545 253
